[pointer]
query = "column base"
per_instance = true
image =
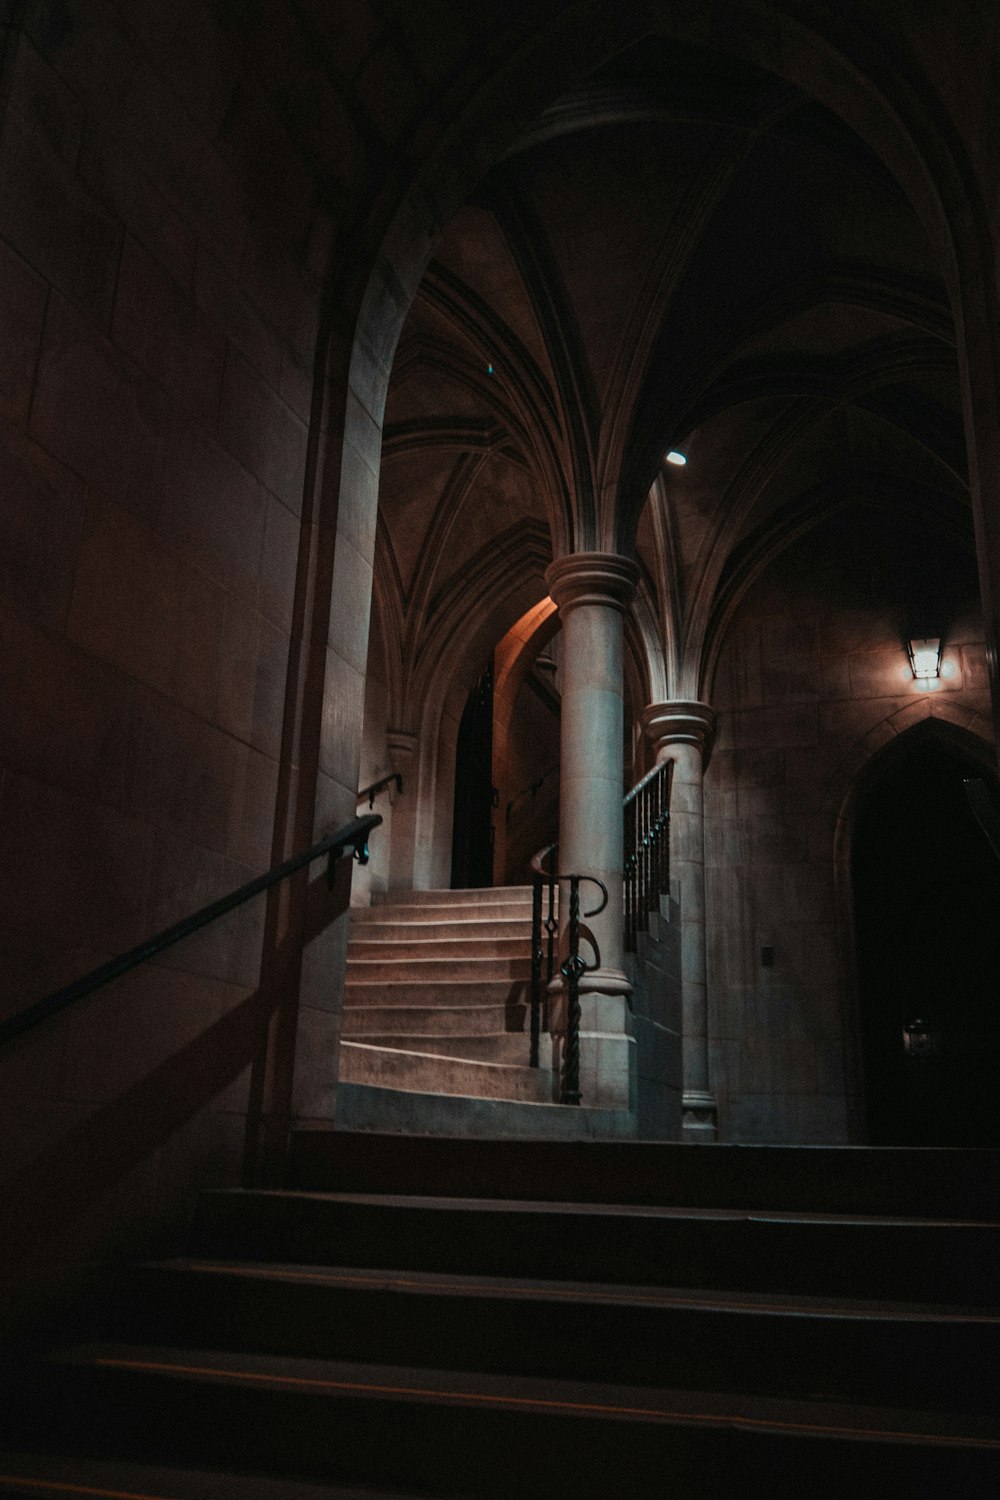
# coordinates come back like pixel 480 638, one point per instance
pixel 608 1059
pixel 605 982
pixel 700 1117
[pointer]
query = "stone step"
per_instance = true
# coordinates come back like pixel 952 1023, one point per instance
pixel 381 990
pixel 899 1182
pixel 427 1072
pixel 501 1046
pixel 384 949
pixel 412 913
pixel 469 896
pixel 363 1107
pixel 430 1021
pixel 34 1476
pixel 863 1258
pixel 388 929
pixel 431 970
pixel 884 1353
pixel 493 1436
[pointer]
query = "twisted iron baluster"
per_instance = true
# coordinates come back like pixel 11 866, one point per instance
pixel 644 902
pixel 536 969
pixel 629 877
pixel 664 874
pixel 571 970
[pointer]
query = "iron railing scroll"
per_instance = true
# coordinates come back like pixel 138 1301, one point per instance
pixel 646 878
pixel 573 967
pixel 647 850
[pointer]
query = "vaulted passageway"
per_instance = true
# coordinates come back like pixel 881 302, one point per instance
pixel 927 915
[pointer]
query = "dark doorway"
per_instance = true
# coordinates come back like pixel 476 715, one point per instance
pixel 472 828
pixel 927 912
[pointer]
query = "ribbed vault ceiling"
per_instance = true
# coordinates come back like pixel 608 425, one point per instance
pixel 684 253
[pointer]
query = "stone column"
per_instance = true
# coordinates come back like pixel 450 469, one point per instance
pixel 592 591
pixel 683 732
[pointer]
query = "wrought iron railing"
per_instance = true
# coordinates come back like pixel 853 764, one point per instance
pixel 647 850
pixel 352 837
pixel 572 968
pixel 646 878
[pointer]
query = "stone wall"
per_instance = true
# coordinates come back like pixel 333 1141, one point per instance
pixel 812 679
pixel 655 1022
pixel 159 286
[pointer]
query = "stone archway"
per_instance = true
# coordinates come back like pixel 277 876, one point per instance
pixel 920 894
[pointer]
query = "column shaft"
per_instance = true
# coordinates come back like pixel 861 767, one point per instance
pixel 592 591
pixel 682 732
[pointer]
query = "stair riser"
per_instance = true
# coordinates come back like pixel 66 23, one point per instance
pixel 795 1179
pixel 448 913
pixel 476 949
pixel 937 1366
pixel 473 1020
pixel 386 931
pixel 924 1263
pixel 503 895
pixel 362 1108
pixel 410 992
pixel 506 1047
pixel 431 970
pixel 440 1446
pixel 360 1063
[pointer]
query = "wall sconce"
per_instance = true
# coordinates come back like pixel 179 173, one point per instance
pixel 925 658
pixel 673 457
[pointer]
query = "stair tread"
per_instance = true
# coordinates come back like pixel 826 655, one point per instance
pixel 418 1283
pixel 359 1044
pixel 569 1398
pixel 55 1475
pixel 603 1209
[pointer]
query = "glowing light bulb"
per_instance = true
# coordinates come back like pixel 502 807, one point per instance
pixel 673 457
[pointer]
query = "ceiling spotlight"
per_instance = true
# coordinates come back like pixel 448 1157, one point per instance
pixel 673 457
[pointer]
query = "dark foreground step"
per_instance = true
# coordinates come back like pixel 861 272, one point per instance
pixel 874 1259
pixel 482 1435
pixel 868 1352
pixel 914 1182
pixel 31 1476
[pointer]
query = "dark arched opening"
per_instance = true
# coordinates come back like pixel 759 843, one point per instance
pixel 927 913
pixel 472 830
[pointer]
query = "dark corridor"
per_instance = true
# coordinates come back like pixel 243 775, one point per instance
pixel 472 829
pixel 927 909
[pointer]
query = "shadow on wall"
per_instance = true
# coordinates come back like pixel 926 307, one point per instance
pixel 103 1184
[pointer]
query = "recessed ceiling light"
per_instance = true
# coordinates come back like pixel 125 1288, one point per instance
pixel 673 457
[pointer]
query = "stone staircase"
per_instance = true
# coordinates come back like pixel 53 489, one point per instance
pixel 435 1026
pixel 501 1319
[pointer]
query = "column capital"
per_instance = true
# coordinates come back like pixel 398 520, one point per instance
pixel 401 745
pixel 592 578
pixel 681 722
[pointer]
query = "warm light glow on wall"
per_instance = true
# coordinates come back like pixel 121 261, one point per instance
pixel 925 659
pixel 673 457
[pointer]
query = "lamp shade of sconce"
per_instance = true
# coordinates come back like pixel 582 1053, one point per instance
pixel 925 658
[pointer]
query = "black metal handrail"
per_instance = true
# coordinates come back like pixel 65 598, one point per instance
pixel 353 836
pixel 572 968
pixel 371 792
